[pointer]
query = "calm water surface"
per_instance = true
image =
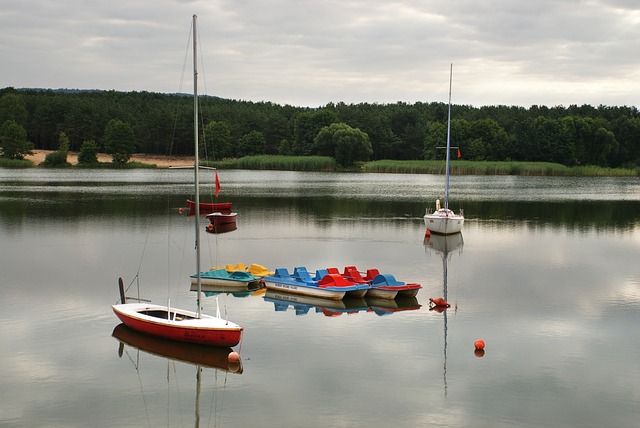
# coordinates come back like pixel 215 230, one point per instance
pixel 546 273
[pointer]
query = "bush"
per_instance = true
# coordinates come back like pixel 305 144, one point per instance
pixel 59 157
pixel 56 159
pixel 88 153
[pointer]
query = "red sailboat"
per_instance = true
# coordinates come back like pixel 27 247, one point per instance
pixel 210 207
pixel 173 323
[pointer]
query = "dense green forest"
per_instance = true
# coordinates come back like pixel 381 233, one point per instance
pixel 162 124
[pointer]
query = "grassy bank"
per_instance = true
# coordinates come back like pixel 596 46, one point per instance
pixel 496 168
pixel 328 164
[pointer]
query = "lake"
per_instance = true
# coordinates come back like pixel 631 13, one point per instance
pixel 546 272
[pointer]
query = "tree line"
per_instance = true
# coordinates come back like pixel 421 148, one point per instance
pixel 163 124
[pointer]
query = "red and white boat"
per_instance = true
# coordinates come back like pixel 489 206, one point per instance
pixel 178 324
pixel 219 219
pixel 211 207
pixel 173 323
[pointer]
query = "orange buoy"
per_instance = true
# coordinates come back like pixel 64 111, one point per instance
pixel 479 345
pixel 234 362
pixel 210 226
pixel 427 233
pixel 180 210
pixel 439 301
pixel 234 357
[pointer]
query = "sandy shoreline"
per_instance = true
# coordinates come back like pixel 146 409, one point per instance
pixel 160 161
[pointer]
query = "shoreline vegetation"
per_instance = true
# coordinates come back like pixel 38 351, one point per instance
pixel 328 164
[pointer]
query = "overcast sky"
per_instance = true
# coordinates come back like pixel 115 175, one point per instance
pixel 310 53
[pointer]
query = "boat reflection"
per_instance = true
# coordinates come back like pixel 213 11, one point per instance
pixel 387 307
pixel 302 305
pixel 209 357
pixel 240 292
pixel 203 356
pixel 219 228
pixel 444 246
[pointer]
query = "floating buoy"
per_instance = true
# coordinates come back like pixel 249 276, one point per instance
pixel 427 233
pixel 439 301
pixel 210 226
pixel 234 362
pixel 479 345
pixel 234 357
pixel 180 210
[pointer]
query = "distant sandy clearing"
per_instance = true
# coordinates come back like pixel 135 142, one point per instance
pixel 160 161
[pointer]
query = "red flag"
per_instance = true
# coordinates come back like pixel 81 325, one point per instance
pixel 459 155
pixel 217 184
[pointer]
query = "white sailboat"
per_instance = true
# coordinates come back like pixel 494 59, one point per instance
pixel 179 324
pixel 444 221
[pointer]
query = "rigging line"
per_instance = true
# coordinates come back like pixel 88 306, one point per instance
pixel 219 400
pixel 213 405
pixel 137 367
pixel 202 111
pixel 203 135
pixel 168 264
pixel 217 253
pixel 146 239
pixel 201 57
pixel 182 249
pixel 136 278
pixel 177 387
pixel 179 98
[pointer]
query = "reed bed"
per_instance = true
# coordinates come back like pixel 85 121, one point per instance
pixel 328 164
pixel 111 165
pixel 288 163
pixel 15 163
pixel 495 168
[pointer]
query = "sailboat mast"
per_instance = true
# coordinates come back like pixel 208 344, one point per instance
pixel 446 188
pixel 196 166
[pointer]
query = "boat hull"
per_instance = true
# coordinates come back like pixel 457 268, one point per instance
pixel 222 219
pixel 357 293
pixel 204 356
pixel 304 290
pixel 180 325
pixel 230 280
pixel 411 292
pixel 380 293
pixel 226 283
pixel 444 222
pixel 210 207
